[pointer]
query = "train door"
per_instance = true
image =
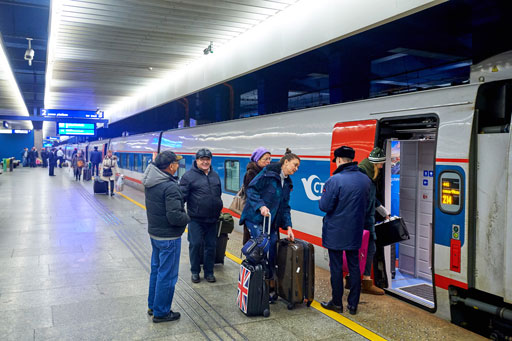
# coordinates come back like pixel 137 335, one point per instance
pixel 407 189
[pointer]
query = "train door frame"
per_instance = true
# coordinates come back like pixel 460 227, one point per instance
pixel 381 138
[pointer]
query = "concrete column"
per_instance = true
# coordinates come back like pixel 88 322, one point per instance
pixel 38 139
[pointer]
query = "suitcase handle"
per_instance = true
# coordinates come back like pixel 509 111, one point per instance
pixel 269 217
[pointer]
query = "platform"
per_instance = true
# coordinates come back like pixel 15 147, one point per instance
pixel 75 266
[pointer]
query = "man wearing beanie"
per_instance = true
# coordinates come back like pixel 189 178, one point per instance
pixel 344 200
pixel 167 220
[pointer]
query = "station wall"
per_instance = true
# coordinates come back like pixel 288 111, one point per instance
pixel 13 144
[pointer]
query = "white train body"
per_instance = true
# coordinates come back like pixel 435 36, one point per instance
pixel 465 245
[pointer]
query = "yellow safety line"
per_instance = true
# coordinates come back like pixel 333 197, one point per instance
pixel 335 316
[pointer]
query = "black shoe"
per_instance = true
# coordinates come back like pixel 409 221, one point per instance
pixel 196 278
pixel 112 194
pixel 272 297
pixel 210 278
pixel 352 310
pixel 173 316
pixel 150 312
pixel 331 306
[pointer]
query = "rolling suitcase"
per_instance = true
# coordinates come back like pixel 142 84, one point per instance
pixel 87 174
pixel 363 251
pixel 253 296
pixel 100 187
pixel 296 272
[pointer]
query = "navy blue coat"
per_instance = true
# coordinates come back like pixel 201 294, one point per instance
pixel 345 199
pixel 266 190
pixel 203 194
pixel 96 156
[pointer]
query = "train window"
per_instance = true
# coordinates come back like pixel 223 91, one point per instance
pixel 494 105
pixel 232 175
pixel 123 160
pixel 136 162
pixel 146 159
pixel 450 192
pixel 182 169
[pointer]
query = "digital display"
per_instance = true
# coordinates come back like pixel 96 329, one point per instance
pixel 450 191
pixel 81 129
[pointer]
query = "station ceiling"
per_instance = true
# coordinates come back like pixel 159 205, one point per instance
pixel 110 48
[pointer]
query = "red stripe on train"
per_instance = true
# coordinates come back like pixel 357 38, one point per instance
pixel 299 234
pixel 453 160
pixel 444 282
pixel 133 179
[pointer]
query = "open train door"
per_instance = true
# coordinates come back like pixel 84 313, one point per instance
pixel 360 135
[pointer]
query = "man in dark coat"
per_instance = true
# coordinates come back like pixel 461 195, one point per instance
pixel 167 220
pixel 96 158
pixel 52 161
pixel 345 201
pixel 202 191
pixel 44 157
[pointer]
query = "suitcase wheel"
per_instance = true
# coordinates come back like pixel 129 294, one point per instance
pixel 308 304
pixel 266 313
pixel 290 306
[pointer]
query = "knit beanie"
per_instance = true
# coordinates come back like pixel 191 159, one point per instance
pixel 258 153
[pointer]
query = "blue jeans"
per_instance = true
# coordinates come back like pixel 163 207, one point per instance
pixel 336 266
pixel 255 231
pixel 206 234
pixel 165 262
pixel 369 256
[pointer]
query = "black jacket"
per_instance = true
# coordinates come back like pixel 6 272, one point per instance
pixel 96 157
pixel 202 193
pixel 164 204
pixel 252 170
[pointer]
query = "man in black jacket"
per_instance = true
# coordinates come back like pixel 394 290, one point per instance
pixel 96 158
pixel 167 220
pixel 52 161
pixel 202 191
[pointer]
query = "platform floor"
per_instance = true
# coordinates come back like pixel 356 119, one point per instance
pixel 75 266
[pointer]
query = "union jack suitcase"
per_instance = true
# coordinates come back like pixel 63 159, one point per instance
pixel 253 297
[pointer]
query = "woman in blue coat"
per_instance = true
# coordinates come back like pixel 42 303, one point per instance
pixel 269 192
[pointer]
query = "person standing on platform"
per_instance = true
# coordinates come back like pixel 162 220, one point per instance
pixel 344 200
pixel 371 166
pixel 24 156
pixel 269 192
pixel 260 159
pixel 60 157
pixel 201 189
pixel 109 169
pixel 96 157
pixel 167 220
pixel 52 161
pixel 44 157
pixel 32 156
pixel 78 163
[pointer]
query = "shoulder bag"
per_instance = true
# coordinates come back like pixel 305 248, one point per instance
pixel 239 200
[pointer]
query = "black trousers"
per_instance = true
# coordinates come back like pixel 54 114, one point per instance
pixel 336 266
pixel 51 169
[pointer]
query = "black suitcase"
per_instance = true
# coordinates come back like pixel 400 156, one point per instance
pixel 100 187
pixel 87 174
pixel 220 249
pixel 253 296
pixel 391 231
pixel 296 272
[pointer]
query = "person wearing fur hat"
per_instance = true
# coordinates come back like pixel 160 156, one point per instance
pixel 345 201
pixel 109 169
pixel 260 158
pixel 371 166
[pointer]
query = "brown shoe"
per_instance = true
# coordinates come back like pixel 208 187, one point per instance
pixel 369 288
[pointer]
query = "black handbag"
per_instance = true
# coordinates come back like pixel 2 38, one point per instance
pixel 391 231
pixel 107 172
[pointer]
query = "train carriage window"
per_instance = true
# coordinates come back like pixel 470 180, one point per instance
pixel 450 192
pixel 182 169
pixel 232 176
pixel 136 162
pixel 146 159
pixel 123 160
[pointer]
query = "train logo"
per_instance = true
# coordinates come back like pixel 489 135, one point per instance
pixel 313 187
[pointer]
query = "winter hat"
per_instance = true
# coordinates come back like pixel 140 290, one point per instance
pixel 258 153
pixel 344 151
pixel 165 158
pixel 203 153
pixel 377 155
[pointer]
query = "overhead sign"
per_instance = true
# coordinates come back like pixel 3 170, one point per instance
pixel 74 129
pixel 72 113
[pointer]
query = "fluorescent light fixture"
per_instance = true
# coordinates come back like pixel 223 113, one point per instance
pixel 6 75
pixel 55 14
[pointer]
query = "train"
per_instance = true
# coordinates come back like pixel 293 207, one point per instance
pixel 448 175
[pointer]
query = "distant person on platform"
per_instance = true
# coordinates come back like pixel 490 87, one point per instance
pixel 32 156
pixel 344 200
pixel 109 170
pixel 52 161
pixel 78 163
pixel 44 157
pixel 24 157
pixel 74 152
pixel 167 220
pixel 60 157
pixel 96 158
pixel 202 191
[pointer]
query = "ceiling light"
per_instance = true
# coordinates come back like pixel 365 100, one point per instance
pixel 12 89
